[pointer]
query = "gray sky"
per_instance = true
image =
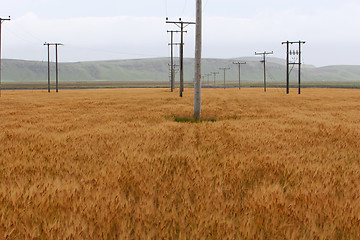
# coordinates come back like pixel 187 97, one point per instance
pixel 122 29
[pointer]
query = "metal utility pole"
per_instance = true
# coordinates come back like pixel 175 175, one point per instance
pixel 1 21
pixel 181 25
pixel 198 47
pixel 215 73
pixel 57 71
pixel 264 54
pixel 172 74
pixel 288 53
pixel 239 63
pixel 224 69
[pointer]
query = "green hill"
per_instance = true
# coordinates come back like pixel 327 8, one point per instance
pixel 144 70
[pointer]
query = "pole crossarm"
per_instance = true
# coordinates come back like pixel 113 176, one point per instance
pixel 185 24
pixel 54 44
pixel 301 42
pixel 5 19
pixel 264 53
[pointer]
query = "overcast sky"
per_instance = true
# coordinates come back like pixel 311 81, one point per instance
pixel 122 29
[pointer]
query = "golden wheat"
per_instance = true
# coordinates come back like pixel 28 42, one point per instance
pixel 95 164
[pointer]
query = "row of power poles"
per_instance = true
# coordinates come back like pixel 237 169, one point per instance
pixel 198 52
pixel 288 53
pixel 264 55
pixel 182 25
pixel 225 69
pixel 48 47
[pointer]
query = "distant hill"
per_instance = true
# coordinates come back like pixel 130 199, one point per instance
pixel 158 70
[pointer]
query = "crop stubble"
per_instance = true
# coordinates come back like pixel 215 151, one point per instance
pixel 114 164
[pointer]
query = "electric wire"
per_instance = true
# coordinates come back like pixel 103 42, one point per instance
pixel 185 5
pixel 277 87
pixel 207 1
pixel 112 52
pixel 293 65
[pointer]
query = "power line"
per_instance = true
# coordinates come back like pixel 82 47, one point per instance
pixel 185 5
pixel 166 8
pixel 110 51
pixel 207 1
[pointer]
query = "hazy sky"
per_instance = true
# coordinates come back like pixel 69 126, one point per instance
pixel 121 29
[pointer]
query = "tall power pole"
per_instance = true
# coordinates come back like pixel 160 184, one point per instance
pixel 172 74
pixel 239 63
pixel 57 71
pixel 264 54
pixel 215 73
pixel 288 53
pixel 182 25
pixel 1 21
pixel 198 47
pixel 224 69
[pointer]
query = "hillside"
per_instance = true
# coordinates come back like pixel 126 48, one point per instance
pixel 158 70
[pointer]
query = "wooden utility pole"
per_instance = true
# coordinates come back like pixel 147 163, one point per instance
pixel 215 73
pixel 172 74
pixel 48 48
pixel 197 84
pixel 208 78
pixel 239 63
pixel 1 21
pixel 57 71
pixel 182 25
pixel 288 53
pixel 224 69
pixel 264 54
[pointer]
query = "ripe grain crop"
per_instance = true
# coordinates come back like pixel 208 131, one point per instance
pixel 114 164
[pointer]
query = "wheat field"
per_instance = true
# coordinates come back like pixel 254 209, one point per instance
pixel 114 164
